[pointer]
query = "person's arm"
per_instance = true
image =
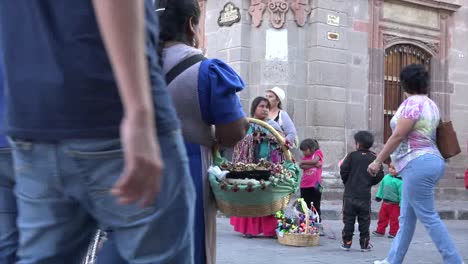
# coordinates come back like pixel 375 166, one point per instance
pixel 229 134
pixel 345 169
pixel 289 128
pixel 378 177
pixel 275 125
pixel 409 114
pixel 121 23
pixel 313 163
pixel 402 129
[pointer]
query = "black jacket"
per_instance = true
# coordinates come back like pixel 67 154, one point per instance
pixel 357 180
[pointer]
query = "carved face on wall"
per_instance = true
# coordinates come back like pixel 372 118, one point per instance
pixel 278 9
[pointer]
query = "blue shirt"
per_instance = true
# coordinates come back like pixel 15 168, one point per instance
pixel 3 141
pixel 59 81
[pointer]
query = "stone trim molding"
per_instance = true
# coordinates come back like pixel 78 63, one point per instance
pixel 447 5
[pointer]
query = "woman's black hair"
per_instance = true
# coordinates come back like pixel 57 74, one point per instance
pixel 256 102
pixel 414 79
pixel 309 143
pixel 174 17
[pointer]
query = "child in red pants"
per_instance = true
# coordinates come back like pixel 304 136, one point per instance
pixel 390 193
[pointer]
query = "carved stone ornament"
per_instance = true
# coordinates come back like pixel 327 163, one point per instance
pixel 278 9
pixel 256 10
pixel 229 15
pixel 301 10
pixel 390 40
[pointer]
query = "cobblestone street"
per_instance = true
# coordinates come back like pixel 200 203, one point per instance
pixel 233 249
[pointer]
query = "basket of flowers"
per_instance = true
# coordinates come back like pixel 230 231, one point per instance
pixel 298 226
pixel 258 188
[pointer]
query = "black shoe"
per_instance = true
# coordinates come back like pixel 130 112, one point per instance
pixel 391 236
pixel 367 248
pixel 346 246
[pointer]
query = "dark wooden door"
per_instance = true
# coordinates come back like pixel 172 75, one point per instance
pixel 396 58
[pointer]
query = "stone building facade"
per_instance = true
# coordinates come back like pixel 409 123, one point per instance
pixel 338 60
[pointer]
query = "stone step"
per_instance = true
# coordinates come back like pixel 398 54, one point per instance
pixel 448 210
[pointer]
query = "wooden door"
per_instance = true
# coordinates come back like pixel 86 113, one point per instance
pixel 396 58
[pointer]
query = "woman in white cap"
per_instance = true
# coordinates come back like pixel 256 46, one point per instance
pixel 276 95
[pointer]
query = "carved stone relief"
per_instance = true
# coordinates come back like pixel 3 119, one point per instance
pixel 389 40
pixel 256 10
pixel 301 10
pixel 278 9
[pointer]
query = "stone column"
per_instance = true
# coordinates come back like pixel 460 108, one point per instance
pixel 337 81
pixel 230 44
pixel 457 61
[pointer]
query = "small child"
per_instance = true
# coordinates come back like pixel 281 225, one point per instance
pixel 357 192
pixel 311 164
pixel 390 193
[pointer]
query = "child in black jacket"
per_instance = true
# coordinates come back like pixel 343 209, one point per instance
pixel 357 193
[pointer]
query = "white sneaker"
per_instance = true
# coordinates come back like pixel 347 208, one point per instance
pixel 381 262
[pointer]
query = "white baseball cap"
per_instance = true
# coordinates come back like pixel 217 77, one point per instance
pixel 279 92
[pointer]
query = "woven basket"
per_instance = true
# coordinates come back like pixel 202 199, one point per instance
pixel 260 202
pixel 299 240
pixel 253 210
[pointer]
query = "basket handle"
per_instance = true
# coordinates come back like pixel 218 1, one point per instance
pixel 276 134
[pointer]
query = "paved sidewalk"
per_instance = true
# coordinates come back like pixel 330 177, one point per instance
pixel 449 210
pixel 233 249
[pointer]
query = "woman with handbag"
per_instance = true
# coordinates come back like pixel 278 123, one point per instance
pixel 417 159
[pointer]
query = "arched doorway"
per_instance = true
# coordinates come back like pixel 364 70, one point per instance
pixel 396 58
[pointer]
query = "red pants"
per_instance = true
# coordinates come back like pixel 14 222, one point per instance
pixel 389 212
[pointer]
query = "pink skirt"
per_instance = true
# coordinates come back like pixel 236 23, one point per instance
pixel 265 225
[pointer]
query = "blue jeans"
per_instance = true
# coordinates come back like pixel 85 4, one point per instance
pixel 108 253
pixel 420 177
pixel 63 192
pixel 8 230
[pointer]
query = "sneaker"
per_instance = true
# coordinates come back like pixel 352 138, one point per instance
pixel 391 236
pixel 375 233
pixel 367 248
pixel 247 236
pixel 346 246
pixel 381 262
